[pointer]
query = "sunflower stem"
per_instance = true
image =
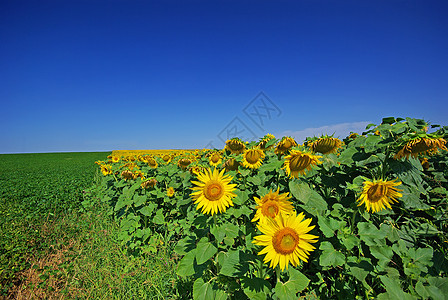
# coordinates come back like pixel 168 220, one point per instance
pixel 215 221
pixel 277 272
pixel 352 225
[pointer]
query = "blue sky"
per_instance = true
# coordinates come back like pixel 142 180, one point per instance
pixel 102 75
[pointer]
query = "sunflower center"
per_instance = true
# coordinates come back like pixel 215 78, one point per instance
pixel 421 146
pixel 215 158
pixel 376 192
pixel 270 209
pixel 213 191
pixel 252 157
pixel 285 241
pixel 299 162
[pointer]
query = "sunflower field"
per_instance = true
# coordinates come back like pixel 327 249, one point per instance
pixel 364 217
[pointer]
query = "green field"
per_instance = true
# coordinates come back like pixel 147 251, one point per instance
pixel 51 248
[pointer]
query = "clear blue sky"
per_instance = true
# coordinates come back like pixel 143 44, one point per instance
pixel 102 75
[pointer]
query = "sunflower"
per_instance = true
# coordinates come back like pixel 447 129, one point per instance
pixel 271 204
pixel 215 159
pixel 325 145
pixel 298 162
pixel 213 192
pixel 151 161
pixel 378 194
pixel 285 240
pixel 170 192
pixel 231 165
pixel 115 159
pixel 425 163
pixel 253 158
pixel 139 174
pixel 106 169
pixel 284 145
pixel 183 163
pixel 425 145
pixel 196 170
pixel 235 146
pixel 264 141
pixel 166 158
pixel 352 135
pixel 126 174
pixel 131 166
pixel 150 183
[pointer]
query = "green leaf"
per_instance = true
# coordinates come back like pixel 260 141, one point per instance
pixel 346 157
pixel 139 200
pixel 314 203
pixel 393 290
pixel 329 225
pixel 371 235
pixel 148 209
pixel 383 254
pixel 159 218
pixel 229 264
pixel 296 283
pixel 241 197
pixel 204 251
pixel 202 290
pixel 186 264
pixel 256 288
pixel 330 256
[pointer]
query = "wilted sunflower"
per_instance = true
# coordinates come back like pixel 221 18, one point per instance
pixel 183 163
pixel 106 169
pixel 264 140
pixel 215 159
pixel 378 194
pixel 325 145
pixel 272 204
pixel 139 174
pixel 235 146
pixel 425 163
pixel 150 183
pixel 298 162
pixel 126 174
pixel 213 192
pixel 151 161
pixel 253 158
pixel 285 240
pixel 170 192
pixel 231 165
pixel 426 145
pixel 284 145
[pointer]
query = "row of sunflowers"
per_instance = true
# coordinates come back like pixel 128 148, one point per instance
pixel 361 217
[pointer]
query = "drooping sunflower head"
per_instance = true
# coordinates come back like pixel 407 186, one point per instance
pixel 170 192
pixel 285 240
pixel 131 166
pixel 352 135
pixel 150 183
pixel 235 146
pixel 231 165
pixel 253 158
pixel 379 194
pixel 126 174
pixel 151 161
pixel 264 140
pixel 106 169
pixel 421 145
pixel 325 145
pixel 215 158
pixel 298 162
pixel 166 158
pixel 183 163
pixel 272 204
pixel 285 145
pixel 213 192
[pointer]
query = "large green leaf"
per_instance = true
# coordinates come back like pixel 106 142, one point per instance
pixel 296 283
pixel 330 256
pixel 203 290
pixel 371 235
pixel 204 251
pixel 313 202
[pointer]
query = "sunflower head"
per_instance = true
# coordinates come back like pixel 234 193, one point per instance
pixel 272 204
pixel 285 145
pixel 151 161
pixel 421 145
pixel 166 158
pixel 379 194
pixel 264 140
pixel 425 163
pixel 325 145
pixel 253 158
pixel 235 146
pixel 231 165
pixel 150 183
pixel 106 169
pixel 196 170
pixel 353 135
pixel 126 174
pixel 285 240
pixel 115 159
pixel 215 159
pixel 139 174
pixel 170 192
pixel 183 163
pixel 297 162
pixel 131 166
pixel 213 192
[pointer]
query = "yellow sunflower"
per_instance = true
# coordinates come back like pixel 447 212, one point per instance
pixel 106 169
pixel 426 145
pixel 285 240
pixel 213 192
pixel 215 159
pixel 253 158
pixel 183 163
pixel 170 192
pixel 115 159
pixel 151 161
pixel 272 204
pixel 264 140
pixel 166 158
pixel 378 194
pixel 196 170
pixel 325 145
pixel 352 135
pixel 235 146
pixel 298 162
pixel 284 145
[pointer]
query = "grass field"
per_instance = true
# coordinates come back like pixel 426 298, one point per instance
pixel 51 248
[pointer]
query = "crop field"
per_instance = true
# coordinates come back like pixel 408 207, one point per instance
pixel 359 217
